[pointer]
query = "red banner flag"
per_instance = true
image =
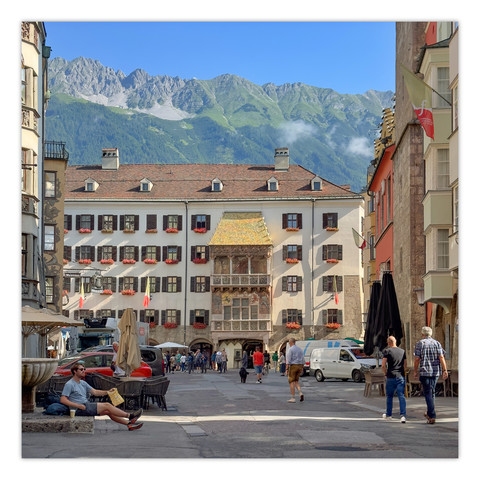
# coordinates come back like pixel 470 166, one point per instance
pixel 82 295
pixel 421 97
pixel 146 298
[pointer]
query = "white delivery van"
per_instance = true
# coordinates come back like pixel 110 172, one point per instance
pixel 340 362
pixel 308 345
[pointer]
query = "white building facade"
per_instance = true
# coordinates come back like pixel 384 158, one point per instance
pixel 234 255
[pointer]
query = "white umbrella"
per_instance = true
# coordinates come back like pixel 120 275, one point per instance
pixel 170 345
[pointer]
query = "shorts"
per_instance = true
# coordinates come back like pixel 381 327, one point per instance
pixel 90 411
pixel 258 368
pixel 294 372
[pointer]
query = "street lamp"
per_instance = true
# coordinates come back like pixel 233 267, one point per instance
pixel 420 292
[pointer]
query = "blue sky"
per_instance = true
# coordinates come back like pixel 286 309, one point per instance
pixel 349 57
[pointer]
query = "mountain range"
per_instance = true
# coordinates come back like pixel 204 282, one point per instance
pixel 227 119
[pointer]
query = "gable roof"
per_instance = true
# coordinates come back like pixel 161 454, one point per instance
pixel 193 181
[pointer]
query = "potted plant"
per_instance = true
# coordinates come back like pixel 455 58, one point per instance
pixel 331 229
pixel 170 325
pixel 292 229
pixel 171 230
pixel 332 260
pixel 200 230
pixel 85 261
pixel 292 260
pixel 84 230
pixel 107 291
pixel 107 261
pixel 128 291
pixel 333 325
pixel 199 325
pixel 128 261
pixel 199 260
pixel 150 261
pixel 293 325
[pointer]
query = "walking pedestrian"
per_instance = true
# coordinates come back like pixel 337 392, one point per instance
pixel 183 360
pixel 218 359
pixel 281 362
pixel 394 364
pixel 245 360
pixel 173 364
pixel 224 360
pixel 275 361
pixel 429 364
pixel 258 363
pixel 190 362
pixel 213 363
pixel 295 361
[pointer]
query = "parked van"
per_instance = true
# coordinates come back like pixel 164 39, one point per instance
pixel 308 345
pixel 340 362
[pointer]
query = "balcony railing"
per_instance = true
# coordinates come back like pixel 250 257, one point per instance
pixel 241 280
pixel 241 325
pixel 29 118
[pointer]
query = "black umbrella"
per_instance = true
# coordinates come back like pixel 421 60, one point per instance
pixel 370 328
pixel 387 318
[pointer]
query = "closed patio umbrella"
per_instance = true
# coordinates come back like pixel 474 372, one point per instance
pixel 128 355
pixel 370 327
pixel 387 319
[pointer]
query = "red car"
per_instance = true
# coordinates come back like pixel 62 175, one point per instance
pixel 98 362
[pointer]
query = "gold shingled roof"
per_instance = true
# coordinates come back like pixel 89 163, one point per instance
pixel 241 228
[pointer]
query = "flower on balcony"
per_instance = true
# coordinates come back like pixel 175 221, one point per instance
pixel 199 325
pixel 128 291
pixel 128 260
pixel 171 230
pixel 331 229
pixel 293 325
pixel 65 261
pixel 292 229
pixel 199 260
pixel 128 230
pixel 107 292
pixel 151 230
pixel 84 230
pixel 150 261
pixel 200 230
pixel 107 230
pixel 65 231
pixel 152 324
pixel 171 261
pixel 332 260
pixel 333 325
pixel 170 325
pixel 85 261
pixel 292 260
pixel 108 261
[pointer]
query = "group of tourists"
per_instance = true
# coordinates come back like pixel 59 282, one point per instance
pixel 186 362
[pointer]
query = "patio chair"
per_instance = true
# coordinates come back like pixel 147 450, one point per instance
pixel 373 382
pixel 57 382
pixel 154 390
pixel 414 387
pixel 132 393
pixel 453 383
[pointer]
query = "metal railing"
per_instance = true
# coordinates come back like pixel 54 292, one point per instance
pixel 241 280
pixel 241 325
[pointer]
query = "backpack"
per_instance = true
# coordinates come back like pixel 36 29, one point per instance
pixel 57 409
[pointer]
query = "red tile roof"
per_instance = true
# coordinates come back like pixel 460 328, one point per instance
pixel 192 182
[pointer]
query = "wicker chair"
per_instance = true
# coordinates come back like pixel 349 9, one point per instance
pixel 132 393
pixel 374 382
pixel 155 390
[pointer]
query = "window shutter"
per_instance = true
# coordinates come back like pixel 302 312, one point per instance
pixel 179 253
pixel 340 317
pixel 164 253
pixel 179 222
pixel 143 284
pixel 285 252
pixel 207 253
pixel 158 254
pixel 299 220
pixel 324 317
pixel 92 253
pixel 100 222
pixel 299 284
pixel 335 220
pixel 299 252
pixel 193 222
pixel 155 317
pixel 115 223
pixel 69 222
pixel 135 284
pixel 114 254
pixel 325 220
pixel 136 253
pixel 122 253
pixel 324 252
pixel 340 252
pixel 142 315
pixel 77 222
pixel 99 253
pixel 178 317
pixel 179 284
pixel 157 284
pixel 206 318
pixel 299 317
pixel 120 313
pixel 92 222
pixel 340 283
pixel 192 317
pixel 325 283
pixel 77 254
pixel 164 284
pixel 284 220
pixel 164 316
pixel 192 284
pixel 120 284
pixel 208 222
pixel 122 222
pixel 192 253
pixel 284 316
pixel 114 284
pixel 77 285
pixel 284 284
pixel 151 222
pixel 136 222
pixel 207 284
pixel 67 252
pixel 165 222
pixel 144 253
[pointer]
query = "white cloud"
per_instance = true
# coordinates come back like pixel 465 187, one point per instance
pixel 290 132
pixel 360 146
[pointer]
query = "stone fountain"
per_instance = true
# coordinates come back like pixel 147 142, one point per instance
pixel 34 372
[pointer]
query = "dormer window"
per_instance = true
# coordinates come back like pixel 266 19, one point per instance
pixel 272 185
pixel 91 185
pixel 316 184
pixel 217 185
pixel 145 185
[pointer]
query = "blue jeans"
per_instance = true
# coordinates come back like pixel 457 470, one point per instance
pixel 396 385
pixel 429 384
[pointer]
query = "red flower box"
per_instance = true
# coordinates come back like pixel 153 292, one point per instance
pixel 108 261
pixel 292 260
pixel 293 325
pixel 128 230
pixel 127 261
pixel 85 261
pixel 292 229
pixel 171 261
pixel 199 260
pixel 84 230
pixel 199 325
pixel 170 325
pixel 171 230
pixel 200 230
pixel 107 292
pixel 151 230
pixel 65 261
pixel 65 231
pixel 153 324
pixel 333 325
pixel 128 292
pixel 150 261
pixel 332 260
pixel 107 230
pixel 331 229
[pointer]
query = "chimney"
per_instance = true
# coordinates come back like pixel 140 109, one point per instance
pixel 282 159
pixel 110 159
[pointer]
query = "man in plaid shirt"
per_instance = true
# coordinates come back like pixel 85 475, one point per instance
pixel 429 364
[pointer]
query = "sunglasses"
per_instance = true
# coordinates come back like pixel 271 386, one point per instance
pixel 81 369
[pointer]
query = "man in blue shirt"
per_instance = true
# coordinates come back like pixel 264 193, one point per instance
pixel 295 362
pixel 429 364
pixel 75 395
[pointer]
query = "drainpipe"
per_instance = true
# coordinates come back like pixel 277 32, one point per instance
pixel 186 277
pixel 312 307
